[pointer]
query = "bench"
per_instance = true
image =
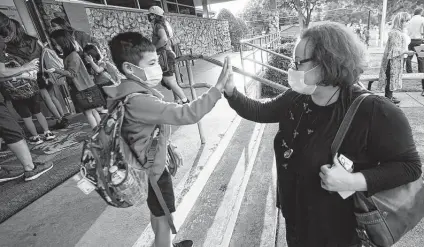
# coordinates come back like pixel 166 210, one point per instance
pixel 409 76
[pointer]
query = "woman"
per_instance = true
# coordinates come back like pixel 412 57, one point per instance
pixel 23 51
pixel 161 38
pixel 84 93
pixel 24 47
pixel 329 59
pixel 393 59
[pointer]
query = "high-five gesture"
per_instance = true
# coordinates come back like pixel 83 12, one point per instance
pixel 229 86
pixel 225 73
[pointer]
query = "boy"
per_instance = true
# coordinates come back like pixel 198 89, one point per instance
pixel 135 56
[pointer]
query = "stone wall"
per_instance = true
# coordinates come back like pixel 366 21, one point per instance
pixel 49 11
pixel 203 36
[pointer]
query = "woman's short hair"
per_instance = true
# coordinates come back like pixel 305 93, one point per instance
pixel 339 51
pixel 400 19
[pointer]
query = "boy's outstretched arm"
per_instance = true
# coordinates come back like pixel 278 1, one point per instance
pixel 152 110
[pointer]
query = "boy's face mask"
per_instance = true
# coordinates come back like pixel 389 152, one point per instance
pixel 151 76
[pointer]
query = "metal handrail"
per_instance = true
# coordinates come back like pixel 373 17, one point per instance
pixel 192 85
pixel 235 69
pixel 274 39
pixel 271 52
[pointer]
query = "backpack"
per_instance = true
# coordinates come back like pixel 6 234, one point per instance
pixel 169 33
pixel 106 149
pixel 21 86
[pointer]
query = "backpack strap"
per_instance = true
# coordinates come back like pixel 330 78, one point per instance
pixel 151 155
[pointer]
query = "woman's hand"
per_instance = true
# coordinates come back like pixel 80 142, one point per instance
pixel 225 74
pixel 336 178
pixel 229 86
pixel 33 65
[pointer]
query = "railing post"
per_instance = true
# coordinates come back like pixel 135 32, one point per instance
pixel 242 65
pixel 194 95
pixel 262 53
pixel 254 58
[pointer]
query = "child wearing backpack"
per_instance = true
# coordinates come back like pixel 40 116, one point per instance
pixel 135 56
pixel 85 95
pixel 103 72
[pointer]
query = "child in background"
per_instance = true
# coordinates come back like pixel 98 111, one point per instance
pixel 84 93
pixel 135 56
pixel 103 72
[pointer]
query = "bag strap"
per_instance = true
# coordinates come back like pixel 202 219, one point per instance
pixel 150 155
pixel 347 121
pixel 162 202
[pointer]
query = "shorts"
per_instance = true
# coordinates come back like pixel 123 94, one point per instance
pixel 10 130
pixel 165 186
pixel 42 83
pixel 167 62
pixel 28 107
pixel 82 103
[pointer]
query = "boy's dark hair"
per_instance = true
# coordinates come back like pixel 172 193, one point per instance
pixel 129 47
pixel 418 11
pixel 65 40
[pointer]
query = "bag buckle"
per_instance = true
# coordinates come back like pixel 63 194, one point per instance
pixel 151 152
pixel 363 236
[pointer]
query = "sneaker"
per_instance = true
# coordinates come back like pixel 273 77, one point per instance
pixel 48 135
pixel 35 140
pixel 186 102
pixel 184 243
pixel 6 175
pixel 39 169
pixel 395 100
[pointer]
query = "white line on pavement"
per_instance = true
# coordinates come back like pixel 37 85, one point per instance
pixel 147 237
pixel 233 219
pixel 270 219
pixel 220 233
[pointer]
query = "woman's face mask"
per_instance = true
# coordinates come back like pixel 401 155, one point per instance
pixel 151 76
pixel 296 80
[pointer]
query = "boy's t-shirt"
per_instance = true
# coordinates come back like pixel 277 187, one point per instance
pixel 81 79
pixel 155 37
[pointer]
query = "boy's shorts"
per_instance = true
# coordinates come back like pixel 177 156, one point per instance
pixel 165 186
pixel 10 130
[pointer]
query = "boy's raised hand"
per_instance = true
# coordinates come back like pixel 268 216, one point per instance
pixel 225 73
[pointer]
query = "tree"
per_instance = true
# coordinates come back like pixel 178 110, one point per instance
pixel 238 28
pixel 304 9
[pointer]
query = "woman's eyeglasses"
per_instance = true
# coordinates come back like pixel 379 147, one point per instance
pixel 295 64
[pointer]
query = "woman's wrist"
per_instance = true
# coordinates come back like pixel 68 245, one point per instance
pixel 358 182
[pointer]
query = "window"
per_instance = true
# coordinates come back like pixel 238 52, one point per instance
pixel 185 7
pixel 122 3
pixel 95 1
pixel 146 4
